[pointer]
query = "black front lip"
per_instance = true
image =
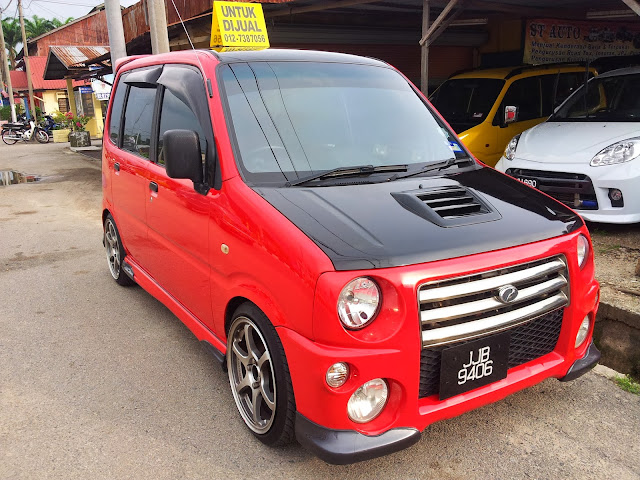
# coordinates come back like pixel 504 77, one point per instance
pixel 342 447
pixel 583 365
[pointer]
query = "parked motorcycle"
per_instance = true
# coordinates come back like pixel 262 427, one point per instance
pixel 25 131
pixel 48 124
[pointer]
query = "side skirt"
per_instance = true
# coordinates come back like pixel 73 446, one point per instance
pixel 213 344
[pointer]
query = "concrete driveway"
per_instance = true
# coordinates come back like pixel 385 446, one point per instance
pixel 99 381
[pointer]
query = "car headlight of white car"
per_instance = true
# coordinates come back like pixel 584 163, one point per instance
pixel 620 152
pixel 510 151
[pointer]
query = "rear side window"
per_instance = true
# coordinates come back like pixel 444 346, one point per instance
pixel 175 114
pixel 116 112
pixel 138 118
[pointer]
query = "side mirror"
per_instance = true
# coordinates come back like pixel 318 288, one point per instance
pixel 510 114
pixel 182 156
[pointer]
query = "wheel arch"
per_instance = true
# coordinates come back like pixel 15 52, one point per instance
pixel 233 305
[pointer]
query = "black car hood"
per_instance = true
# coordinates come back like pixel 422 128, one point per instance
pixel 379 225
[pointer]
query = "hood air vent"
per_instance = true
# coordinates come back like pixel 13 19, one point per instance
pixel 447 206
pixel 453 203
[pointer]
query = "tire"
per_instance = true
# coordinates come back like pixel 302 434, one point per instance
pixel 42 136
pixel 115 252
pixel 6 137
pixel 259 377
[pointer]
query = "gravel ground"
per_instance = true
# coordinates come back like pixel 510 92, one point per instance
pixel 99 381
pixel 617 252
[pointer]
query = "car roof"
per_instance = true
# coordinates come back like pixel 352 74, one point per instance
pixel 290 55
pixel 621 71
pixel 505 73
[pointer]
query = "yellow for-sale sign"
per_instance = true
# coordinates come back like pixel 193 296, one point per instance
pixel 238 26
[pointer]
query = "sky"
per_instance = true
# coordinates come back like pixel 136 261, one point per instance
pixel 50 9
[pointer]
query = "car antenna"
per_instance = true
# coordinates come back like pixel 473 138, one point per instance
pixel 188 37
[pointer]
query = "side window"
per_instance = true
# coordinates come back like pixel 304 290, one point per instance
pixel 116 112
pixel 175 114
pixel 567 84
pixel 138 121
pixel 525 94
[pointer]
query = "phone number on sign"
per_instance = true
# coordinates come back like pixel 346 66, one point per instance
pixel 232 38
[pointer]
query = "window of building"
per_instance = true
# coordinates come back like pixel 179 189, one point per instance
pixel 63 103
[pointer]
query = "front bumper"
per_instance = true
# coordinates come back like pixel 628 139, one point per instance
pixel 391 349
pixel 583 365
pixel 624 177
pixel 342 447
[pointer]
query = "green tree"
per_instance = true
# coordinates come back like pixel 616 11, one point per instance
pixel 37 26
pixel 12 37
pixel 58 23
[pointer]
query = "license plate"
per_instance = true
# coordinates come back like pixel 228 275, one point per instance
pixel 532 182
pixel 473 364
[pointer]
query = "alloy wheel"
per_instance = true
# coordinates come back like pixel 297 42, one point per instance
pixel 251 375
pixel 113 249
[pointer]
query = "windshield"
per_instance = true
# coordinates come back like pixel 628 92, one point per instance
pixel 606 99
pixel 294 119
pixel 466 102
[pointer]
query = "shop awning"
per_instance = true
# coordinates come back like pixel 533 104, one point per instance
pixel 77 62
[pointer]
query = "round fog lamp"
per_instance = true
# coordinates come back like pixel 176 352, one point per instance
pixel 337 374
pixel 615 194
pixel 583 331
pixel 582 250
pixel 367 402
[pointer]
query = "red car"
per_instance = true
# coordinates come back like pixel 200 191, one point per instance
pixel 315 222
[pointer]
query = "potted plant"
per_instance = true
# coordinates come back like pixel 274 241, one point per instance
pixel 61 128
pixel 78 137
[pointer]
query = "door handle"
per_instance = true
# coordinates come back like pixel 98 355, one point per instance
pixel 116 167
pixel 153 186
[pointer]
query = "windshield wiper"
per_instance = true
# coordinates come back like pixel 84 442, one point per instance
pixel 428 168
pixel 348 172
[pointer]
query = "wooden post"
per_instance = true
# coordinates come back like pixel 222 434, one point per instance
pixel 5 66
pixel 424 63
pixel 27 67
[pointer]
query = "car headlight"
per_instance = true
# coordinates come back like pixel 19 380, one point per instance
pixel 582 250
pixel 510 151
pixel 620 152
pixel 358 303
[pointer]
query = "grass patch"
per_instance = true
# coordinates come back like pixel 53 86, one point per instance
pixel 628 384
pixel 603 249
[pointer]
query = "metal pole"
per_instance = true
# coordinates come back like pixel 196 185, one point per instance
pixel 424 63
pixel 117 44
pixel 25 51
pixel 5 63
pixel 158 26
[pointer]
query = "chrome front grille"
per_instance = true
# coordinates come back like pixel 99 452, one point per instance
pixel 463 308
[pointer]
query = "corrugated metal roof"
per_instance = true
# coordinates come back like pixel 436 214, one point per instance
pixel 76 57
pixel 62 60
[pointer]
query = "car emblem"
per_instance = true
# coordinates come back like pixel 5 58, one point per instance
pixel 507 293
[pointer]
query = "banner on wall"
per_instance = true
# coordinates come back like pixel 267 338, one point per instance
pixel 551 41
